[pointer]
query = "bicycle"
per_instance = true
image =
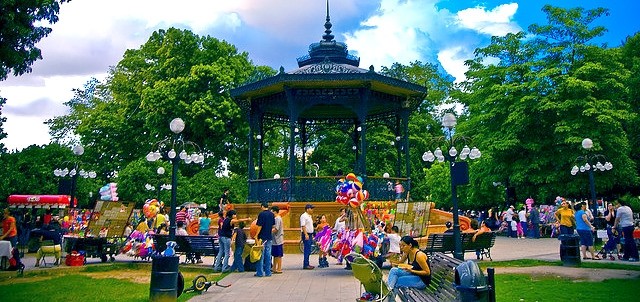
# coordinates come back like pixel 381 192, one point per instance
pixel 314 247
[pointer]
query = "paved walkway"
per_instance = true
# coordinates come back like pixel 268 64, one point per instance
pixel 335 283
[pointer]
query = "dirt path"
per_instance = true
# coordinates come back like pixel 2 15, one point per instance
pixel 578 274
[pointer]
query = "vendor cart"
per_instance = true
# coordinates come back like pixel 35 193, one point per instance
pixel 104 234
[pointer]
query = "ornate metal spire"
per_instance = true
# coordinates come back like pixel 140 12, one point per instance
pixel 328 37
pixel 328 50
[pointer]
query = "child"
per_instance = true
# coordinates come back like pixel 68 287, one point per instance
pixel 240 239
pixel 394 245
pixel 322 254
pixel 515 227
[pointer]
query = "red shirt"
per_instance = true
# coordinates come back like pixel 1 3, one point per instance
pixel 6 225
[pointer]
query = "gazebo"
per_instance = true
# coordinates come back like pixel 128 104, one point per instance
pixel 328 89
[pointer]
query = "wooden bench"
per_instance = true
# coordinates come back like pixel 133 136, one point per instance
pixel 442 286
pixel 190 246
pixel 445 243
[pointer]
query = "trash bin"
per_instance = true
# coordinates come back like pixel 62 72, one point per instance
pixel 471 282
pixel 570 250
pixel 164 279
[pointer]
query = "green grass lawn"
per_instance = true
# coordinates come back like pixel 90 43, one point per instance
pixel 104 282
pixel 515 287
pixel 130 282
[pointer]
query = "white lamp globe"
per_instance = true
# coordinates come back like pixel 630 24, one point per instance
pixel 176 125
pixel 78 150
pixel 587 143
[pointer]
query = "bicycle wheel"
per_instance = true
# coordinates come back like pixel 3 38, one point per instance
pixel 301 246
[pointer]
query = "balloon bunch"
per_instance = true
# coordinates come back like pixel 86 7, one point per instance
pixel 151 208
pixel 109 192
pixel 350 191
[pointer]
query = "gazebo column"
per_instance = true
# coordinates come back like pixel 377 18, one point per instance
pixel 362 110
pixel 397 131
pixel 260 145
pixel 293 117
pixel 303 143
pixel 253 116
pixel 404 116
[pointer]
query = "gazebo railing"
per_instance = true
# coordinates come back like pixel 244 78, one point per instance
pixel 322 188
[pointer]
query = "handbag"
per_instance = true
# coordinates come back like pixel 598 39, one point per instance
pixel 256 251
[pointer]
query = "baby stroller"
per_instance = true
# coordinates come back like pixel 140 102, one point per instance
pixel 370 277
pixel 611 246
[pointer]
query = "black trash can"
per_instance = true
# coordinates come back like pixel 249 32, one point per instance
pixel 471 282
pixel 164 279
pixel 570 250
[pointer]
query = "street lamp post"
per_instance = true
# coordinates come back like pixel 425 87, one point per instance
pixel 459 171
pixel 75 171
pixel 164 270
pixel 165 149
pixel 592 162
pixel 160 186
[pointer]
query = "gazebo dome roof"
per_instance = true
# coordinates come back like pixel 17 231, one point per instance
pixel 328 50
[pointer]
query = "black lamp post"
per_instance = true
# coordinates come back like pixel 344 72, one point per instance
pixel 166 149
pixel 75 171
pixel 592 162
pixel 164 270
pixel 459 171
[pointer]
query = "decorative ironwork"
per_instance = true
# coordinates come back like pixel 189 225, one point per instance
pixel 328 67
pixel 320 188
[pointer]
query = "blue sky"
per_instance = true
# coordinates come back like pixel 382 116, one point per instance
pixel 93 35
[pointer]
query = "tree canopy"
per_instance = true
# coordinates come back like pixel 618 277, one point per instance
pixel 21 27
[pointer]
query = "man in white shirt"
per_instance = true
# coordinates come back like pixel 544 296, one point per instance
pixel 508 217
pixel 306 232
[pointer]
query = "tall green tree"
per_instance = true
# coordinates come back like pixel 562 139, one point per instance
pixel 22 25
pixel 530 103
pixel 174 74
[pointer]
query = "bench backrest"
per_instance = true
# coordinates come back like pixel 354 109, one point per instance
pixel 207 245
pixel 483 241
pixel 442 277
pixel 440 242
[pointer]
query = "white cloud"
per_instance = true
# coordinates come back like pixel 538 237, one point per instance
pixel 400 31
pixel 496 22
pixel 94 34
pixel 452 60
pixel 409 30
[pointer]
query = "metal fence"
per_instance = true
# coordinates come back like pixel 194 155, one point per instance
pixel 322 188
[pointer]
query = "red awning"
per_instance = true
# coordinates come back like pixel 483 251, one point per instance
pixel 39 201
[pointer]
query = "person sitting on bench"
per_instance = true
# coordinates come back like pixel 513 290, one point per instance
pixel 414 273
pixel 49 233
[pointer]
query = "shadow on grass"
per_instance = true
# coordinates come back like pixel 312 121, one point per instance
pixel 106 282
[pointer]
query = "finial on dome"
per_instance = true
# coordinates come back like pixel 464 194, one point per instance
pixel 328 37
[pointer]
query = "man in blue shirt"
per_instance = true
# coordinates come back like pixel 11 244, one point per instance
pixel 265 223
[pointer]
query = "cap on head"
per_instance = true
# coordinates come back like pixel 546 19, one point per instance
pixel 309 206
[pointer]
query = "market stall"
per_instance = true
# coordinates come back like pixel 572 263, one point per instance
pixel 104 234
